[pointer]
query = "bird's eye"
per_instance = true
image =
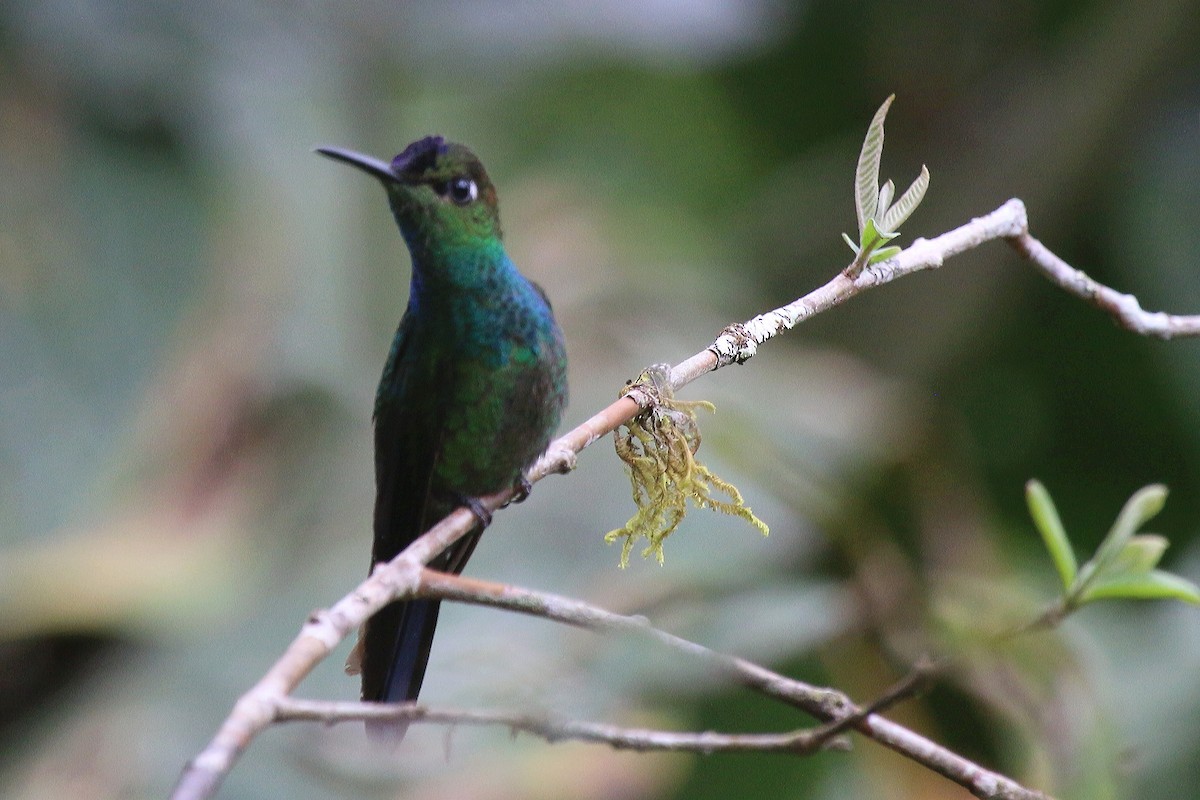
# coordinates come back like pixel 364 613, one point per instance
pixel 462 190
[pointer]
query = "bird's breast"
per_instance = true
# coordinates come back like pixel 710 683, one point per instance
pixel 499 366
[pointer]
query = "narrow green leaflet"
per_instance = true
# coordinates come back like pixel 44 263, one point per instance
pixel 1140 554
pixel 1143 506
pixel 885 253
pixel 1153 585
pixel 1045 517
pixel 853 245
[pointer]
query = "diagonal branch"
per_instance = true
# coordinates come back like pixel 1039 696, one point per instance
pixel 401 578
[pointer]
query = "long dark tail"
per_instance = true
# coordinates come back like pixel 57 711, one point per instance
pixel 395 653
pixel 397 642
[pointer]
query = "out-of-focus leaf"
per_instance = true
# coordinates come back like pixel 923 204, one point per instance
pixel 1144 505
pixel 1153 585
pixel 1140 554
pixel 1045 517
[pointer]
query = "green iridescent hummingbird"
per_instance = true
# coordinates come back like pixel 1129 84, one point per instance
pixel 472 390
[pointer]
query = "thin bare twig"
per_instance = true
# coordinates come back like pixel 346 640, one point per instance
pixel 555 730
pixel 827 705
pixel 821 703
pixel 909 685
pixel 1124 308
pixel 400 578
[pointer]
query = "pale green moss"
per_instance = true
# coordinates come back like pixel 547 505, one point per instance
pixel 659 447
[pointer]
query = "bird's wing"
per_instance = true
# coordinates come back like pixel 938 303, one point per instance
pixel 409 421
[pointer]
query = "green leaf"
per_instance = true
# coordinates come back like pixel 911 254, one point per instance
pixel 866 175
pixel 1045 517
pixel 1144 505
pixel 884 254
pixel 872 237
pixel 895 216
pixel 1153 585
pixel 1140 554
pixel 851 242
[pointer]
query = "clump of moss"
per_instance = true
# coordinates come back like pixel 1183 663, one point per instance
pixel 659 448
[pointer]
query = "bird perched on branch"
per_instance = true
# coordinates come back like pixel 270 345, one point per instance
pixel 474 386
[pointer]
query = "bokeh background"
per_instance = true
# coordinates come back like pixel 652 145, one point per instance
pixel 194 309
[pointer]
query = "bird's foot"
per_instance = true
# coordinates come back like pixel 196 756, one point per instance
pixel 473 504
pixel 521 490
pixel 477 508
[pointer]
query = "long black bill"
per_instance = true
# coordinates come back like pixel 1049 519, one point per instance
pixel 371 166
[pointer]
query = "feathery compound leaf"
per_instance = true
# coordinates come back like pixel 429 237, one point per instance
pixel 895 216
pixel 866 176
pixel 1045 517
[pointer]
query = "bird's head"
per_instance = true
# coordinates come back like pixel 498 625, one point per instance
pixel 439 192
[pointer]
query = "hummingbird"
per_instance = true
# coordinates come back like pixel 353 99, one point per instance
pixel 474 386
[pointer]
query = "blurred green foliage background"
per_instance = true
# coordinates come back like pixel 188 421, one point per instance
pixel 194 309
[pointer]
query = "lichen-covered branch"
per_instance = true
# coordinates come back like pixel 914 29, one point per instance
pixel 738 343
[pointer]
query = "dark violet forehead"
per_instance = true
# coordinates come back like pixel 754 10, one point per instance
pixel 420 156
